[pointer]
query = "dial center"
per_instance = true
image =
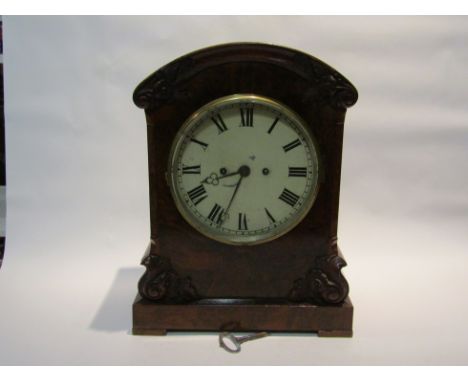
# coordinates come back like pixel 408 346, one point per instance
pixel 244 171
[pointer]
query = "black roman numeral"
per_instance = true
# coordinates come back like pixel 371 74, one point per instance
pixel 298 171
pixel 197 194
pixel 191 169
pixel 246 116
pixel 202 144
pixel 273 125
pixel 289 197
pixel 216 213
pixel 270 216
pixel 291 145
pixel 242 225
pixel 219 123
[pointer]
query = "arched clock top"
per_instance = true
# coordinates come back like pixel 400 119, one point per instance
pixel 325 83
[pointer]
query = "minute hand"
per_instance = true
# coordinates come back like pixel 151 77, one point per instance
pixel 232 198
pixel 234 193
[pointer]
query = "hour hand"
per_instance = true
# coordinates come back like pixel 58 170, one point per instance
pixel 211 179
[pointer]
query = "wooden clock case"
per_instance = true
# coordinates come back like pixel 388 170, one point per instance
pixel 293 283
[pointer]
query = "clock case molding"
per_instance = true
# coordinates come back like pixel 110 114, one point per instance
pixel 293 283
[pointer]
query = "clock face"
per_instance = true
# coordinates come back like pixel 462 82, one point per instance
pixel 244 170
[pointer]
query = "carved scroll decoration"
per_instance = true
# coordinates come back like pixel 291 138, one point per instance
pixel 160 87
pixel 160 283
pixel 330 86
pixel 323 284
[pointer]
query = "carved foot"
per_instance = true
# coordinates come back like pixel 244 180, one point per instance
pixel 323 284
pixel 161 283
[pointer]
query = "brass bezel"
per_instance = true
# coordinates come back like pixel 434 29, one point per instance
pixel 246 240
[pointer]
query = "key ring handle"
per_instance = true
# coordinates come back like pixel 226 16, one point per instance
pixel 237 341
pixel 233 339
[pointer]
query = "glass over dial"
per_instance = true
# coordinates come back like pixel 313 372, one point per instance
pixel 244 170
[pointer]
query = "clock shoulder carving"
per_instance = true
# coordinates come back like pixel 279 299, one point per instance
pixel 330 86
pixel 160 283
pixel 323 283
pixel 160 87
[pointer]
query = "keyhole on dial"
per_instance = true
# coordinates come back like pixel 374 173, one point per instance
pixel 265 171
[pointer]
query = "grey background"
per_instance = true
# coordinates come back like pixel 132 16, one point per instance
pixel 77 194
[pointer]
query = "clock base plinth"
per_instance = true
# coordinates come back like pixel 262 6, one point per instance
pixel 151 318
pixel 335 333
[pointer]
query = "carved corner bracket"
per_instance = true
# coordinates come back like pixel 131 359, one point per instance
pixel 160 283
pixel 330 86
pixel 160 87
pixel 323 284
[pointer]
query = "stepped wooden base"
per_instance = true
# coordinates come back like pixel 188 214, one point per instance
pixel 151 318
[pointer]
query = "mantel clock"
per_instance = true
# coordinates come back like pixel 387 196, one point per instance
pixel 244 149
